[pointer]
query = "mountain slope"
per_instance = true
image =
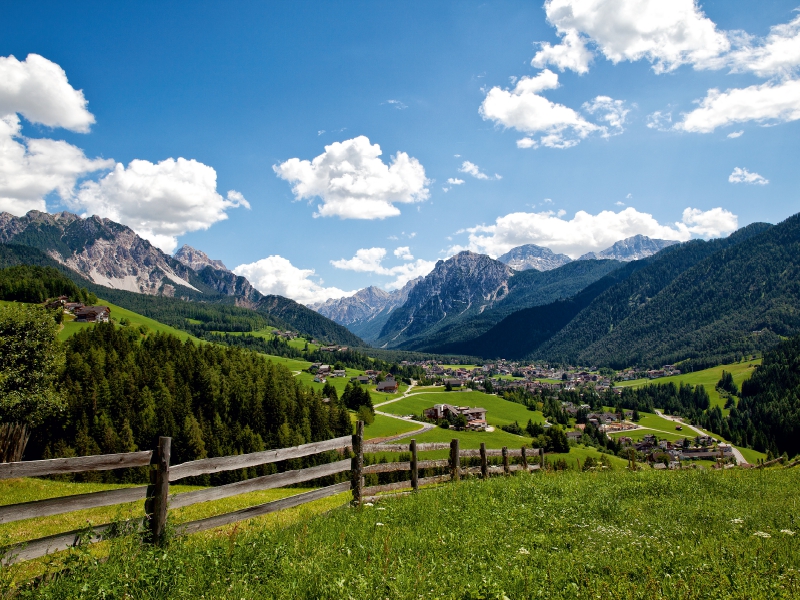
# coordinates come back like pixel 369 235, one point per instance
pixel 217 312
pixel 588 316
pixel 197 260
pixel 531 256
pixel 365 312
pixel 738 300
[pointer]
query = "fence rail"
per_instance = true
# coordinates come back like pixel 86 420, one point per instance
pixel 158 501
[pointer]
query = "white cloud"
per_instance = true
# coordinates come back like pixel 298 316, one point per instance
pixel 777 54
pixel 767 103
pixel 586 232
pixel 455 181
pixel 735 134
pixel 277 275
pixel 571 54
pixel 39 90
pixel 403 252
pixel 662 121
pixel 619 203
pixel 31 169
pixel 368 260
pixel 159 201
pixel 709 223
pixel 397 104
pixel 667 33
pixel 472 169
pixel 740 175
pixel 353 183
pixel 558 126
pixel 613 112
pixel 629 196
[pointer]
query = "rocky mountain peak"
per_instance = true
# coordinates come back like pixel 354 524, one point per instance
pixel 197 260
pixel 531 256
pixel 632 248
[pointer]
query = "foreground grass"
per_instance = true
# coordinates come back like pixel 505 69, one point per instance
pixel 687 535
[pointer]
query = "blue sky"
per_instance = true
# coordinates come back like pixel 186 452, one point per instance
pixel 623 132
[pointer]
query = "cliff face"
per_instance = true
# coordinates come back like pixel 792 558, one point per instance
pixel 105 252
pixel 197 260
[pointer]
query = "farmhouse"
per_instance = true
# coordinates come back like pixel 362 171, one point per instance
pixel 388 385
pixel 93 314
pixel 476 417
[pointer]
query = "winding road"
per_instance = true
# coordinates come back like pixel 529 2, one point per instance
pixel 740 459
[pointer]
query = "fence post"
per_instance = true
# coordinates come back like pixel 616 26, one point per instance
pixel 541 457
pixel 357 464
pixel 414 470
pixel 158 492
pixel 506 469
pixel 484 462
pixel 455 461
pixel 524 459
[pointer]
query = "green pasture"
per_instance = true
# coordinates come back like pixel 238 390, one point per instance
pixel 690 534
pixel 708 378
pixel 384 426
pixel 499 411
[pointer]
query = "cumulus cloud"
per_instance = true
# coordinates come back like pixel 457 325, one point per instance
pixel 668 34
pixel 586 232
pixel 768 103
pixel 31 169
pixel 368 260
pixel 571 53
pixel 778 54
pixel 740 175
pixel 404 253
pixel 352 182
pixel 277 275
pixel 474 170
pixel 735 134
pixel 39 90
pixel 558 126
pixel 159 201
pixel 455 181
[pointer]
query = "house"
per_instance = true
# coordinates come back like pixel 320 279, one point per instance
pixel 574 435
pixel 93 314
pixel 388 385
pixel 454 382
pixel 362 379
pixel 71 307
pixel 324 369
pixel 339 373
pixel 476 417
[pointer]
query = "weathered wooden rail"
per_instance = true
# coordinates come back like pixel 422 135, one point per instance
pixel 158 500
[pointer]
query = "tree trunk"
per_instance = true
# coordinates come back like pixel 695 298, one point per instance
pixel 13 439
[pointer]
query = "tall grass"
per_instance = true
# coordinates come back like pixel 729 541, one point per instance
pixel 696 534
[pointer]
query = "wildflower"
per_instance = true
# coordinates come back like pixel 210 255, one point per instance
pixel 368 504
pixel 762 534
pixel 787 531
pixel 522 551
pixel 381 525
pixel 737 520
pixel 380 508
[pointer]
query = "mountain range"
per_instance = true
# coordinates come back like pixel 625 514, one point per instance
pixel 125 268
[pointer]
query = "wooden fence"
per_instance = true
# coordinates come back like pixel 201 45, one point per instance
pixel 157 500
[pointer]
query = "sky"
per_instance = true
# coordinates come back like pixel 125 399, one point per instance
pixel 318 148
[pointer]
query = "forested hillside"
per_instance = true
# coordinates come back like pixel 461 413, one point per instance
pixel 768 414
pixel 123 390
pixel 215 312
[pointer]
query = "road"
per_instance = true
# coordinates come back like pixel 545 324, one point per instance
pixel 740 459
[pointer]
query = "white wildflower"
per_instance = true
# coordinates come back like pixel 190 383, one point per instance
pixel 737 520
pixel 522 551
pixel 380 508
pixel 787 531
pixel 368 504
pixel 762 534
pixel 381 525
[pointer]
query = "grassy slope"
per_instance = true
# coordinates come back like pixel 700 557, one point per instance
pixel 387 427
pixel 499 411
pixel 708 378
pixel 554 536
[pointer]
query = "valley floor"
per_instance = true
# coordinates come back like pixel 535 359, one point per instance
pixel 688 535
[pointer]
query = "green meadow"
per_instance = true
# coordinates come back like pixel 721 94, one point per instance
pixel 562 535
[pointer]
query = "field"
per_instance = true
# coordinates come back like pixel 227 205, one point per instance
pixel 708 378
pixel 387 427
pixel 499 411
pixel 554 536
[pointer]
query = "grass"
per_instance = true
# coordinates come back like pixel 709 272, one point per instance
pixel 690 535
pixel 499 411
pixel 387 427
pixel 708 378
